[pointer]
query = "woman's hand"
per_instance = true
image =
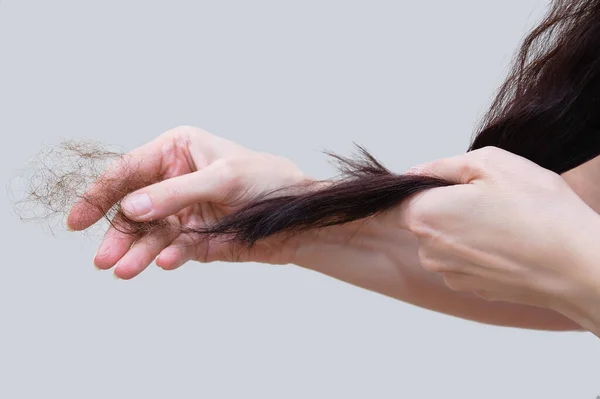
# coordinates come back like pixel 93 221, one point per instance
pixel 510 231
pixel 201 178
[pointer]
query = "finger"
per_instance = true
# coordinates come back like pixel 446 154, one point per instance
pixel 465 168
pixel 131 172
pixel 458 170
pixel 114 245
pixel 144 252
pixel 183 249
pixel 167 197
pixel 438 208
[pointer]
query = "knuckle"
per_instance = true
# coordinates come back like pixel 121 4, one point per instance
pixel 182 129
pixel 485 158
pixel 553 182
pixel 184 132
pixel 490 152
pixel 174 132
pixel 476 165
pixel 472 167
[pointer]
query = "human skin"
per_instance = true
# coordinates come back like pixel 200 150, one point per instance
pixel 511 231
pixel 206 177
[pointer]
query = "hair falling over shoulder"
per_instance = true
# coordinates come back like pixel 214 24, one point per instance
pixel 547 110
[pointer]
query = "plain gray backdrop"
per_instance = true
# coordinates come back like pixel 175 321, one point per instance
pixel 407 79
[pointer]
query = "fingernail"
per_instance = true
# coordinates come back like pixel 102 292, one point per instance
pixel 137 204
pixel 96 265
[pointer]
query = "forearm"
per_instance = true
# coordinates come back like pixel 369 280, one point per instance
pixel 581 301
pixel 384 260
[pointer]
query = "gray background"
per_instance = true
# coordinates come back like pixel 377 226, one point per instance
pixel 407 79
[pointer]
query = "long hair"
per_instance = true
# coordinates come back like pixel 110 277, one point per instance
pixel 547 110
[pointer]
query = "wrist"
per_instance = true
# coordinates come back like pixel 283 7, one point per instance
pixel 351 242
pixel 316 247
pixel 582 303
pixel 344 250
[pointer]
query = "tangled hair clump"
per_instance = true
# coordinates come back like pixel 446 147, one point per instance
pixel 59 175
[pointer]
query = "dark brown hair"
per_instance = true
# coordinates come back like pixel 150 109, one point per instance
pixel 547 110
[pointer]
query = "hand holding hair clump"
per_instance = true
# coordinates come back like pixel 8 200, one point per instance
pixel 192 195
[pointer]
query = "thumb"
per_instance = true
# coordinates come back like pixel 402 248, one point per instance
pixel 168 197
pixel 461 169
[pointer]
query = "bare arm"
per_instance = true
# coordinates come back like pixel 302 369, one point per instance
pixel 382 259
pixel 199 177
